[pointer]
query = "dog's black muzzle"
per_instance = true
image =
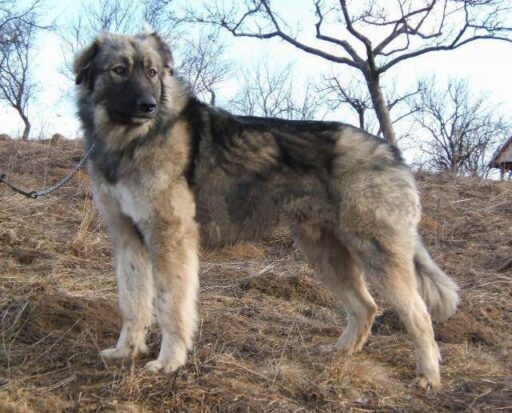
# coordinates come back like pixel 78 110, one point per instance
pixel 146 106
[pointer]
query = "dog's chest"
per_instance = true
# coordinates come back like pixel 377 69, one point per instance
pixel 133 201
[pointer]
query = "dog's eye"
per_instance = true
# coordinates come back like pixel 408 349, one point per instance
pixel 120 70
pixel 152 72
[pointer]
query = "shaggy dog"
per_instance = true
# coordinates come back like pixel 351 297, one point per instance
pixel 170 172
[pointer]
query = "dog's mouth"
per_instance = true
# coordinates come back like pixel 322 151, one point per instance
pixel 137 118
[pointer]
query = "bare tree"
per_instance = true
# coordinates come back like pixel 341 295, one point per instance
pixel 117 16
pixel 270 93
pixel 462 130
pixel 202 64
pixel 199 56
pixel 353 95
pixel 160 16
pixel 372 36
pixel 120 16
pixel 12 16
pixel 17 32
pixel 307 105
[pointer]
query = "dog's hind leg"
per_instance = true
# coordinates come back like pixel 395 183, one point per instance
pixel 336 268
pixel 389 267
pixel 134 280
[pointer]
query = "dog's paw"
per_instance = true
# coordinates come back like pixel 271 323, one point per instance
pixel 157 366
pixel 326 349
pixel 336 349
pixel 154 366
pixel 123 352
pixel 115 353
pixel 424 383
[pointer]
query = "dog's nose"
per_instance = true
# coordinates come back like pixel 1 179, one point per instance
pixel 146 104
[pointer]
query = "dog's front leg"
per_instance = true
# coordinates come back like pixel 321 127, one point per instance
pixel 134 277
pixel 174 250
pixel 135 287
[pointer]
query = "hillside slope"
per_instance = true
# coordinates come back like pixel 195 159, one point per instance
pixel 262 314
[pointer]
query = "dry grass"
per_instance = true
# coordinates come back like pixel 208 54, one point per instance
pixel 262 314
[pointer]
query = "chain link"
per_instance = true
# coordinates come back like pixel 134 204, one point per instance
pixel 53 188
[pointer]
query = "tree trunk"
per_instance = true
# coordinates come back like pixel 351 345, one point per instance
pixel 381 107
pixel 26 122
pixel 26 130
pixel 360 113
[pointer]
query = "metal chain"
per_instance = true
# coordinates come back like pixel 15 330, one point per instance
pixel 50 189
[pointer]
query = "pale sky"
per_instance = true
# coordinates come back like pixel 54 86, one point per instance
pixel 487 65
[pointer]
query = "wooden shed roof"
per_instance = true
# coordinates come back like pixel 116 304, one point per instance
pixel 503 156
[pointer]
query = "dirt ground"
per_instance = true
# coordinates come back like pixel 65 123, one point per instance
pixel 262 313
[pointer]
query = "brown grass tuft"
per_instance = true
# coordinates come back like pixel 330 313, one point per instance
pixel 289 288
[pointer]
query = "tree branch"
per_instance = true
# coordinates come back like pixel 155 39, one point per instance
pixel 343 43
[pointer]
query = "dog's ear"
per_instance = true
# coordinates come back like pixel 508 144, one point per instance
pixel 165 53
pixel 84 63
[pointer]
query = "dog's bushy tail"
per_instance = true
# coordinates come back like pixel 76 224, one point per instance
pixel 437 289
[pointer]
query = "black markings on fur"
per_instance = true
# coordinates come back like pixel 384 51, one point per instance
pixel 194 119
pixel 393 149
pixel 139 233
pixel 225 131
pixel 240 201
pixel 306 150
pixel 396 153
pixel 302 145
pixel 108 162
pixel 297 126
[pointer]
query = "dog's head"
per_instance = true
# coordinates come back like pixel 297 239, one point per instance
pixel 125 76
